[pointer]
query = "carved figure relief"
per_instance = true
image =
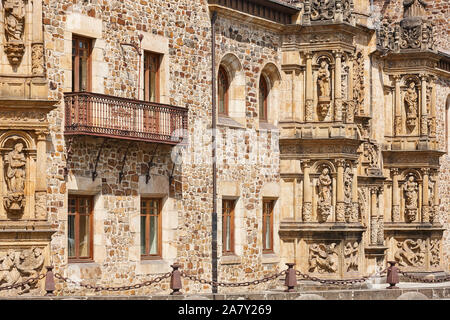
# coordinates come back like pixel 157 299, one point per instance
pixel 18 266
pixel 351 253
pixel 325 195
pixel 411 101
pixel 411 253
pixel 372 155
pixel 14 13
pixel 411 189
pixel 15 179
pixel 37 59
pixel 323 258
pixel 358 83
pixel 323 79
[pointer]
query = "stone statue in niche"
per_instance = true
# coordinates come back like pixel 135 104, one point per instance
pixel 323 258
pixel 15 179
pixel 410 253
pixel 324 205
pixel 351 256
pixel 14 29
pixel 323 79
pixel 411 104
pixel 411 190
pixel 19 266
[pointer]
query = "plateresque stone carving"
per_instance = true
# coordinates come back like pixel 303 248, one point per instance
pixel 351 252
pixel 19 266
pixel 14 13
pixel 14 201
pixel 411 190
pixel 411 105
pixel 411 253
pixel 435 253
pixel 324 205
pixel 323 258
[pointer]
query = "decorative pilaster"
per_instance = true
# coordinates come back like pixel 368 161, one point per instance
pixel 434 217
pixel 432 121
pixel 337 86
pixel 395 195
pixel 425 195
pixel 355 205
pixel 40 201
pixel 309 88
pixel 373 215
pixel 398 106
pixel 307 192
pixel 340 200
pixel 424 116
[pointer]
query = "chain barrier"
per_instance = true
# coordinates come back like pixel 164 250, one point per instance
pixel 24 283
pixel 122 288
pixel 419 279
pixel 338 281
pixel 237 284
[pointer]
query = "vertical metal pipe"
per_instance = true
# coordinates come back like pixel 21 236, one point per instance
pixel 214 169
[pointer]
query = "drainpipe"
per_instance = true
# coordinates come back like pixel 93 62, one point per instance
pixel 214 169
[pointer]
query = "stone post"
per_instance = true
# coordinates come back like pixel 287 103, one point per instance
pixel 395 196
pixel 355 206
pixel 433 107
pixel 398 106
pixel 436 199
pixel 424 117
pixel 309 88
pixel 425 196
pixel 40 211
pixel 373 215
pixel 340 202
pixel 338 86
pixel 307 192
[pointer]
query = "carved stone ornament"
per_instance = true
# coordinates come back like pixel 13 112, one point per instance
pixel 19 266
pixel 435 259
pixel 411 102
pixel 307 212
pixel 323 9
pixel 371 153
pixel 411 253
pixel 351 253
pixel 14 201
pixel 14 24
pixel 325 195
pixel 323 258
pixel 37 59
pixel 323 79
pixel 411 189
pixel 358 83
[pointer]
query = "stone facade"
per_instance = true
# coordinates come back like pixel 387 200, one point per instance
pixel 352 153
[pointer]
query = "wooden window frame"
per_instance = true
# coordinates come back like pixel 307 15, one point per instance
pixel 158 255
pixel 264 117
pixel 147 56
pixel 223 74
pixel 231 215
pixel 76 65
pixel 77 257
pixel 264 217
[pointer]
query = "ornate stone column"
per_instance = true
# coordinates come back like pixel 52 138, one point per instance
pixel 425 195
pixel 307 192
pixel 355 205
pixel 338 86
pixel 398 106
pixel 424 116
pixel 433 106
pixel 395 195
pixel 340 200
pixel 41 177
pixel 373 216
pixel 434 218
pixel 309 88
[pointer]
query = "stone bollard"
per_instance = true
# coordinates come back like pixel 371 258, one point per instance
pixel 392 275
pixel 291 278
pixel 175 280
pixel 49 281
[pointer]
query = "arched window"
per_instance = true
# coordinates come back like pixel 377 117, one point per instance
pixel 263 98
pixel 222 90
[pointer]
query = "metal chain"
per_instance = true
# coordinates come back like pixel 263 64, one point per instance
pixel 123 288
pixel 415 278
pixel 337 281
pixel 22 284
pixel 237 284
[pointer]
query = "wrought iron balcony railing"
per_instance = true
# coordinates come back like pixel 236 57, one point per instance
pixel 108 116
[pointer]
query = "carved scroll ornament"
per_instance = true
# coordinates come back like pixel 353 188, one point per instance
pixel 323 258
pixel 411 253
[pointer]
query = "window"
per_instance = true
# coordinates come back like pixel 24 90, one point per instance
pixel 228 226
pixel 81 64
pixel 263 97
pixel 151 228
pixel 222 89
pixel 267 224
pixel 152 63
pixel 80 228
